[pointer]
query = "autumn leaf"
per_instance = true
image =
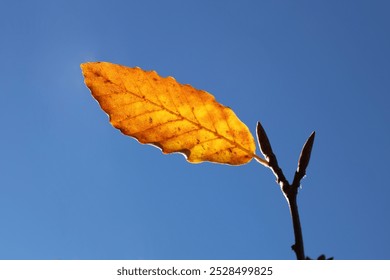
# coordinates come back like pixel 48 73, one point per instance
pixel 169 115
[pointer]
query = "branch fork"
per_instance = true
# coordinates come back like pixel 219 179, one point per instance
pixel 290 191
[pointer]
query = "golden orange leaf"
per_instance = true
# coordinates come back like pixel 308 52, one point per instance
pixel 172 116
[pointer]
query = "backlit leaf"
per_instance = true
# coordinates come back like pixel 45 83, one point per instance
pixel 169 115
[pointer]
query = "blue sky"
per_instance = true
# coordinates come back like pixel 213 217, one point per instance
pixel 73 187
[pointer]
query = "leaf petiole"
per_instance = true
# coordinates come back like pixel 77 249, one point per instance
pixel 260 160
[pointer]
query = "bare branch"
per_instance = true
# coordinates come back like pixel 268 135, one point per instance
pixel 289 191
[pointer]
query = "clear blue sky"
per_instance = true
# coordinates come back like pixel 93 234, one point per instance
pixel 73 187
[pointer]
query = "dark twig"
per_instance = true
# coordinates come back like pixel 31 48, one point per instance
pixel 266 150
pixel 303 161
pixel 289 191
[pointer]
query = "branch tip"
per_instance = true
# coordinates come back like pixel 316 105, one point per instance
pixel 264 144
pixel 304 157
